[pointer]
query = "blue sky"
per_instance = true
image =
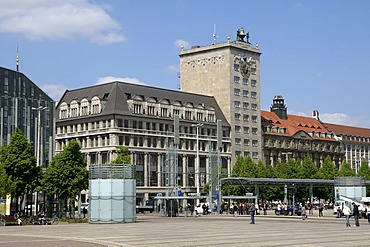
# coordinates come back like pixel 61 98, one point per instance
pixel 314 53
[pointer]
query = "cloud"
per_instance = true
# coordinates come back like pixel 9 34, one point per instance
pixel 343 119
pixel 108 79
pixel 181 42
pixel 55 20
pixel 55 91
pixel 338 118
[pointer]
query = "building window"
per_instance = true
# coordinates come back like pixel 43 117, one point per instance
pixel 238 153
pixel 188 115
pixel 237 128
pixel 151 110
pixel 237 116
pixel 254 131
pixel 254 143
pixel 245 105
pixel 211 118
pixel 164 112
pixel 236 91
pixel 246 130
pixel 254 95
pixel 254 107
pixel 199 116
pixel 245 93
pixel 237 104
pixel 236 67
pixel 245 81
pixel 246 142
pixel 237 79
pixel 176 112
pixel 255 155
pixel 254 119
pixel 238 141
pixel 246 154
pixel 253 83
pixel 246 117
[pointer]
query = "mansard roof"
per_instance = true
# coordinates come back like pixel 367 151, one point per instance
pixel 294 124
pixel 347 130
pixel 115 94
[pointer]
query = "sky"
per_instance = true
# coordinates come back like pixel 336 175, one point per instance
pixel 314 53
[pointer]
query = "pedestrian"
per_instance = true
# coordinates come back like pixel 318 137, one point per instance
pixel 368 213
pixel 279 209
pixel 339 212
pixel 204 207
pixel 265 208
pixel 346 211
pixel 356 214
pixel 84 211
pixel 303 212
pixel 235 208
pixel 321 208
pixel 252 211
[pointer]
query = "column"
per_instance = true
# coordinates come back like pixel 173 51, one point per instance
pixel 146 170
pixel 159 171
pixel 184 171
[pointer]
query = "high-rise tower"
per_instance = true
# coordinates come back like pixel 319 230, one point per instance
pixel 231 73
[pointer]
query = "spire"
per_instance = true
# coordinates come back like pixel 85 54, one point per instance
pixel 17 60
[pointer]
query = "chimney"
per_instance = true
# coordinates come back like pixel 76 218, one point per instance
pixel 315 114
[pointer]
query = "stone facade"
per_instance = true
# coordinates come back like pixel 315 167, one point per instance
pixel 141 118
pixel 231 73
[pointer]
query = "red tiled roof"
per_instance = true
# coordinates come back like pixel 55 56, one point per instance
pixel 294 124
pixel 348 130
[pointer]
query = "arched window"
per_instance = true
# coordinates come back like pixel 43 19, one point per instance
pixel 95 105
pixel 85 106
pixel 63 113
pixel 74 109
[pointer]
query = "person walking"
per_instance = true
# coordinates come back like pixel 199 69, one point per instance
pixel 303 212
pixel 339 213
pixel 356 214
pixel 346 211
pixel 368 213
pixel 252 211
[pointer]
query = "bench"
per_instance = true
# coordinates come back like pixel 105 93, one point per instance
pixel 8 219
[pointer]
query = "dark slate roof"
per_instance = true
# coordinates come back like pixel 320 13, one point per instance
pixel 119 91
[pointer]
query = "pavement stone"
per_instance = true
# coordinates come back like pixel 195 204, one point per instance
pixel 212 230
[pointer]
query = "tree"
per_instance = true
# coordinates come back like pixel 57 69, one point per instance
pixel 287 170
pixel 123 156
pixel 364 171
pixel 307 169
pixel 346 170
pixel 67 174
pixel 6 185
pixel 328 170
pixel 19 163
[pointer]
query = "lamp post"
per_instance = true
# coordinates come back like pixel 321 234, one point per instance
pixel 197 164
pixel 38 144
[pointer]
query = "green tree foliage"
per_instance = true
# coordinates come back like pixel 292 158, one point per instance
pixel 239 169
pixel 123 156
pixel 19 163
pixel 67 174
pixel 346 170
pixel 364 170
pixel 6 185
pixel 307 169
pixel 328 170
pixel 287 170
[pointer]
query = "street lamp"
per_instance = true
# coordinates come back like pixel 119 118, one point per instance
pixel 38 144
pixel 197 164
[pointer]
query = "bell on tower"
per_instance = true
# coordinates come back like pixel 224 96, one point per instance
pixel 240 35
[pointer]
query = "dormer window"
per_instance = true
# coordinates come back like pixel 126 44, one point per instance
pixel 63 110
pixel 137 108
pixel 95 105
pixel 84 107
pixel 74 109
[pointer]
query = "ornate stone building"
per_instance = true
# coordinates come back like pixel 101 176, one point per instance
pixel 355 142
pixel 141 118
pixel 230 72
pixel 290 136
